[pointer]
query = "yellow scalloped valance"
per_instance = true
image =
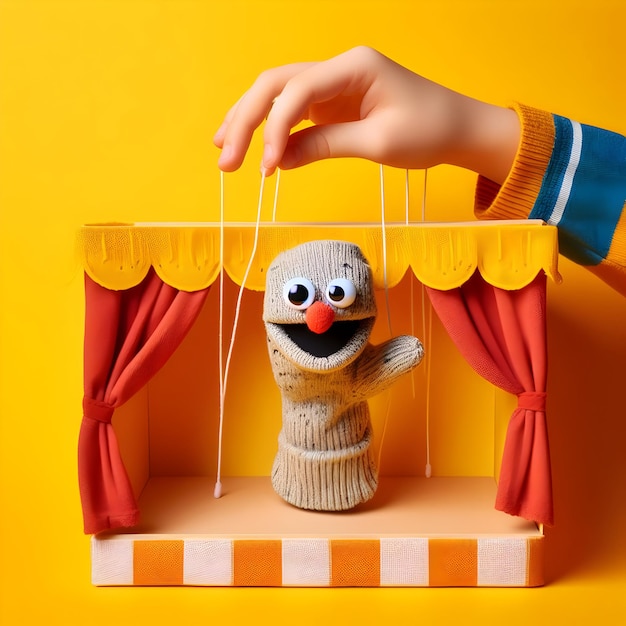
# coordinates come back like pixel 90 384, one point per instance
pixel 508 254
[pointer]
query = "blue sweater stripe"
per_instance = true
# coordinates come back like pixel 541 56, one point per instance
pixel 598 189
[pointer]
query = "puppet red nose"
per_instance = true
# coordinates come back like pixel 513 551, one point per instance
pixel 319 317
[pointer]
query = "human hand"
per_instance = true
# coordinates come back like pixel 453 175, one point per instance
pixel 363 104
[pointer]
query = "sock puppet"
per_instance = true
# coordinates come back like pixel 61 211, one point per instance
pixel 319 311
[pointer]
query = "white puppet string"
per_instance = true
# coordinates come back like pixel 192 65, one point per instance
pixel 428 336
pixel 428 469
pixel 411 276
pixel 276 195
pixel 387 306
pixel 384 243
pixel 223 381
pixel 220 349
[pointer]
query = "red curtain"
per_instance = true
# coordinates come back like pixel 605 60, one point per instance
pixel 502 335
pixel 129 336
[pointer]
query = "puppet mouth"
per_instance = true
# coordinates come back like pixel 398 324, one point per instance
pixel 325 344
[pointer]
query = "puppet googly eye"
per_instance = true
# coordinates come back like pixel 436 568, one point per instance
pixel 341 292
pixel 299 293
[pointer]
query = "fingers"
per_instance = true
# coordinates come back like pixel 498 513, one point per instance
pixel 327 142
pixel 218 138
pixel 318 83
pixel 235 133
pixel 285 95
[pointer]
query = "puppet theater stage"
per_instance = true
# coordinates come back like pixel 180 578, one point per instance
pixel 475 294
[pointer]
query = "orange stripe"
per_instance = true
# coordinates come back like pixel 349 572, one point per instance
pixel 453 562
pixel 355 563
pixel 517 196
pixel 158 562
pixel 257 563
pixel 535 562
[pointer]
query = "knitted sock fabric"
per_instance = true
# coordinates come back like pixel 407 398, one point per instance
pixel 325 468
pixel 324 460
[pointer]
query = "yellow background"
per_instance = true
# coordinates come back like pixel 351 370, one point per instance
pixel 107 109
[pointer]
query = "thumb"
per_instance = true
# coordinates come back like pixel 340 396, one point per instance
pixel 348 139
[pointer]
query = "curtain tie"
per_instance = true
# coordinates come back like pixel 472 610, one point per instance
pixel 98 411
pixel 532 400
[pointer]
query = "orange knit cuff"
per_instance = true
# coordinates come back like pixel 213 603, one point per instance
pixel 515 198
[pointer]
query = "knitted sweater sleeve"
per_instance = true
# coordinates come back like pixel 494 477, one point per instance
pixel 572 176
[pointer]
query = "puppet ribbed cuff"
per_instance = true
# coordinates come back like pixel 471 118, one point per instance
pixel 325 480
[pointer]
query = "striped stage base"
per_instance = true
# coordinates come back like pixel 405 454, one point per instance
pixel 319 562
pixel 415 533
